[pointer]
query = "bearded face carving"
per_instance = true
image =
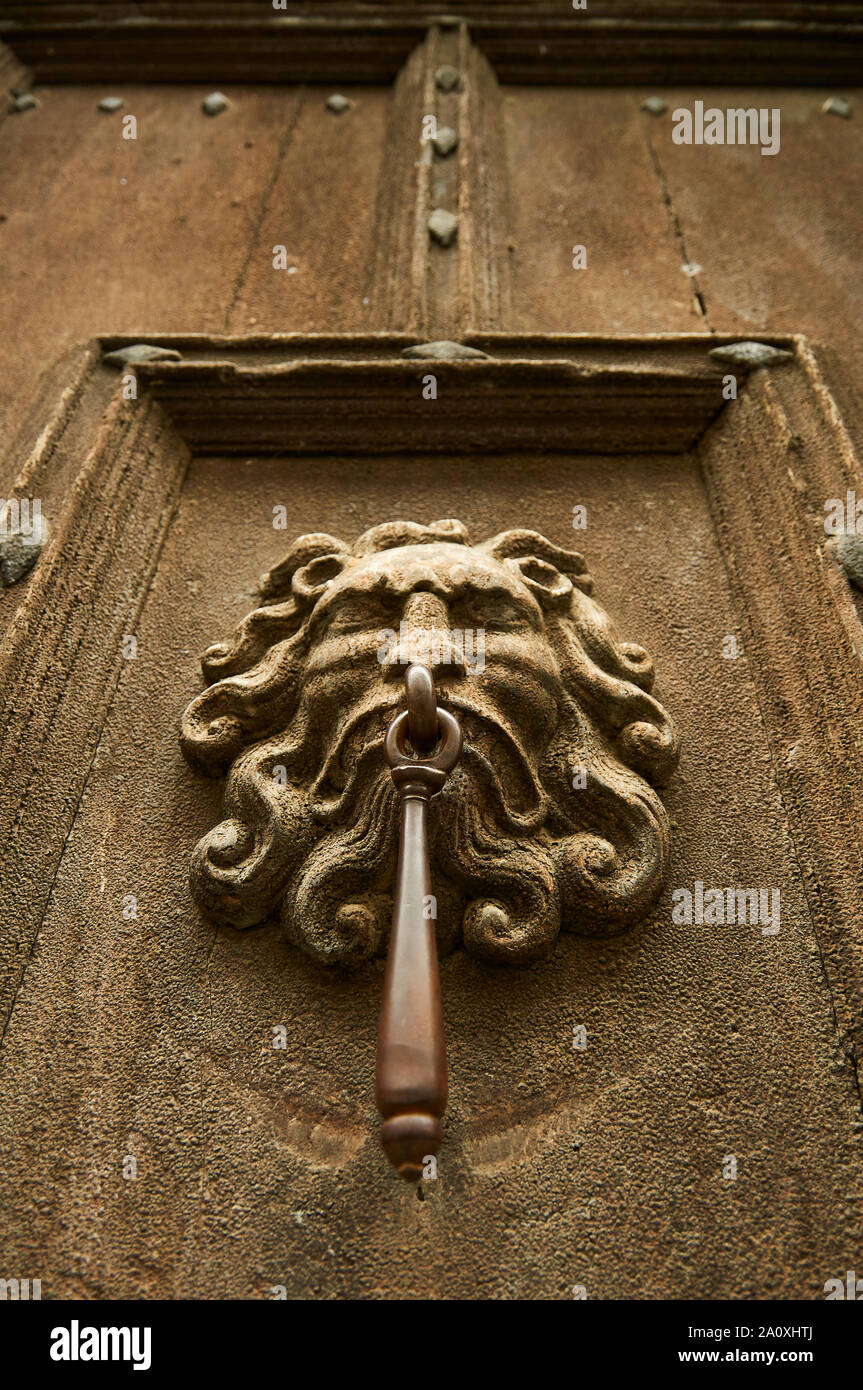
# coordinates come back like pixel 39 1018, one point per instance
pixel 549 821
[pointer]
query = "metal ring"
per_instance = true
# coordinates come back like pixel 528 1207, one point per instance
pixel 447 755
pixel 422 708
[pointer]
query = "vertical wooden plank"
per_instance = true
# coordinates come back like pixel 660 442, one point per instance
pixel 580 174
pixel 777 237
pixel 319 206
pixel 107 235
pixel 416 284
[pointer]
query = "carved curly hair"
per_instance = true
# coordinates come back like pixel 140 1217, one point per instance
pixel 311 818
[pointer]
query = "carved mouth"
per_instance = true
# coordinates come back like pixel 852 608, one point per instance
pixel 501 750
pixel 481 730
pixel 488 741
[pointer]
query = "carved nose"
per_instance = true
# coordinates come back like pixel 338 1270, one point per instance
pixel 425 638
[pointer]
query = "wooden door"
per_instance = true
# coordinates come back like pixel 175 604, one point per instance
pixel 188 1106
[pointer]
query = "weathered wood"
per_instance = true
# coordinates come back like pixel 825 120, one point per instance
pixel 415 284
pixel 13 76
pixel 156 243
pixel 152 1037
pixel 581 175
pixel 564 190
pixel 67 634
pixel 635 41
pixel 775 237
pixel 319 204
pixel 485 204
pixel 638 397
pixel 772 462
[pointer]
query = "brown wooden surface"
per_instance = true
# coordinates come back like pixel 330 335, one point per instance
pixel 153 1036
pixel 186 244
pixel 361 395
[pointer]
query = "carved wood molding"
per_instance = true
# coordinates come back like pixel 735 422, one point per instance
pixel 771 462
pixel 633 41
pixel 13 74
pixel 61 656
pixel 556 393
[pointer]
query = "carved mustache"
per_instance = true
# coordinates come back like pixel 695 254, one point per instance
pixel 478 726
pixel 358 752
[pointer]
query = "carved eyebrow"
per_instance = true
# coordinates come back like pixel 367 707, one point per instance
pixel 495 593
pixel 387 592
pixel 363 598
pixel 377 603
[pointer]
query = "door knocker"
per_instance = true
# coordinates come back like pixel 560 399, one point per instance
pixel 410 1080
pixel 416 664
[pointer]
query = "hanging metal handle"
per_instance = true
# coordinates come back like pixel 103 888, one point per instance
pixel 410 1080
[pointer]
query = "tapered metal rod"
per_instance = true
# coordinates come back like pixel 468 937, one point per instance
pixel 411 1080
pixel 411 1085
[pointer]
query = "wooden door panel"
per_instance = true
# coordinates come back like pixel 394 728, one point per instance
pixel 705 1142
pixel 252 1162
pixel 177 229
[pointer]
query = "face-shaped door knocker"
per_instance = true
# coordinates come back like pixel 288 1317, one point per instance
pixel 545 822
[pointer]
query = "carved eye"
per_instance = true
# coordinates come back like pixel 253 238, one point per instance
pixel 500 615
pixel 359 615
pixel 490 612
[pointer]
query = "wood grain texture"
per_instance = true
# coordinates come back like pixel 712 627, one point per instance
pixel 776 238
pixel 397 291
pixel 153 1036
pixel 256 1167
pixel 581 174
pixel 414 284
pixel 175 230
pixel 167 252
pixel 84 597
pixel 772 239
pixel 319 204
pixel 484 203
